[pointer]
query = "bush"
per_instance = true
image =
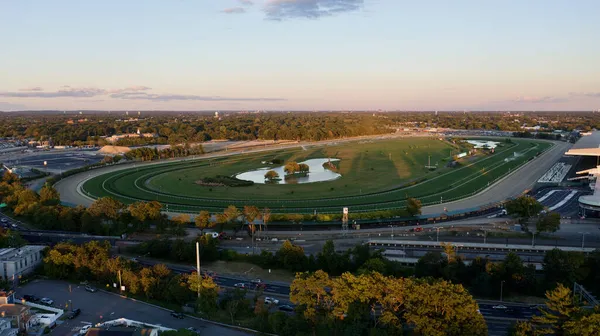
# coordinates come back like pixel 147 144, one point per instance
pixel 226 181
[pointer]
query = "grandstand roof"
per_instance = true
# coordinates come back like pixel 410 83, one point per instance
pixel 588 145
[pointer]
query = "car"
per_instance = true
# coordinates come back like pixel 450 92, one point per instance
pixel 499 307
pixel 90 289
pixel 286 308
pixel 73 313
pixel 240 285
pixel 3 220
pixel 194 330
pixel 262 286
pixel 30 298
pixel 256 281
pixel 177 315
pixel 84 329
pixel 270 300
pixel 47 301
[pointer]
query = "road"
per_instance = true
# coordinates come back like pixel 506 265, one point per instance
pixel 102 306
pixel 512 185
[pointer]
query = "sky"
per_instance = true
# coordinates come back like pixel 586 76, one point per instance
pixel 300 55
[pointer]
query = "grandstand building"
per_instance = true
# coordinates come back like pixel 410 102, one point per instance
pixel 589 145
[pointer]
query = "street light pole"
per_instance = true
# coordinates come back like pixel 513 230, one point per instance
pixel 501 288
pixel 392 230
pixel 198 265
pixel 437 236
pixel 583 239
pixel 533 239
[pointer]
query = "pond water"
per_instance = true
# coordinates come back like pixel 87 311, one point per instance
pixel 317 173
pixel 482 144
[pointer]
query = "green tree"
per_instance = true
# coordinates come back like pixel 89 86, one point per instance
pixel 564 267
pixel 203 221
pixel 311 291
pixel 549 222
pixel 413 206
pixel 524 207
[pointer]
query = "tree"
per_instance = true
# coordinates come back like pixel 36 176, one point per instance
pixel 303 168
pixel 413 206
pixel 208 292
pixel 522 328
pixel 181 219
pixel 106 208
pixel 442 308
pixel 231 214
pixel 291 168
pixel 560 309
pixel 311 292
pixel 524 207
pixel 587 325
pixel 563 267
pixel 203 221
pixel 432 264
pixel 271 175
pixel 144 211
pixel 49 195
pixel 549 222
pixel 266 217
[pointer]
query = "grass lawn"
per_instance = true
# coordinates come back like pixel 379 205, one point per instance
pixel 375 175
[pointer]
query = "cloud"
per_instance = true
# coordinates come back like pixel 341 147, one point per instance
pixel 311 9
pixel 136 88
pixel 585 94
pixel 129 93
pixel 234 10
pixel 537 100
pixel 170 97
pixel 246 2
pixel 63 92
pixel 37 88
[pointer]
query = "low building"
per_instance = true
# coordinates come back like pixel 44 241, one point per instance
pixel 15 262
pixel 19 315
pixel 6 328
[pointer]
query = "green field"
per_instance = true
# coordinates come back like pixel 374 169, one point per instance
pixel 376 175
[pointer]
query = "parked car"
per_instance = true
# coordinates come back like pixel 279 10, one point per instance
pixel 47 301
pixel 30 298
pixel 73 313
pixel 194 330
pixel 240 285
pixel 270 300
pixel 3 220
pixel 84 329
pixel 262 286
pixel 256 281
pixel 499 307
pixel 177 315
pixel 90 289
pixel 286 308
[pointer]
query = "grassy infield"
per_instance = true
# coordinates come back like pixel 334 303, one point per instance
pixel 375 175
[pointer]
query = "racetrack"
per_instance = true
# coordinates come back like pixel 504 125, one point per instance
pixel 70 188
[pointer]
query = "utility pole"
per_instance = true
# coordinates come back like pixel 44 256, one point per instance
pixel 533 239
pixel 120 283
pixel 198 265
pixel 583 239
pixel 437 236
pixel 501 287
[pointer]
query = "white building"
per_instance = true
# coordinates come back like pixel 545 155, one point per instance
pixel 6 328
pixel 19 261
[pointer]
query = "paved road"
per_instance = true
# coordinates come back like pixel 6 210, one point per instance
pixel 512 185
pixel 101 306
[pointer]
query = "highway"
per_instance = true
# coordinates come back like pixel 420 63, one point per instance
pixel 498 320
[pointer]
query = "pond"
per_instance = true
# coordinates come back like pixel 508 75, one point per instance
pixel 317 173
pixel 483 144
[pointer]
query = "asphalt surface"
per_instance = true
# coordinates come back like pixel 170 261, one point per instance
pixel 56 161
pixel 102 306
pixel 512 185
pixel 562 200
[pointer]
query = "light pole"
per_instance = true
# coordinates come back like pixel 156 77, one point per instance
pixel 484 235
pixel 583 239
pixel 198 265
pixel 437 236
pixel 501 288
pixel 533 239
pixel 392 230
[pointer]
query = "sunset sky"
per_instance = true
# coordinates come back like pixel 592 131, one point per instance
pixel 300 55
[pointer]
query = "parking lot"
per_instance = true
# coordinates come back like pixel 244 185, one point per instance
pixel 55 161
pixel 102 306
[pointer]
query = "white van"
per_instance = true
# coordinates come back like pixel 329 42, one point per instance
pixel 213 235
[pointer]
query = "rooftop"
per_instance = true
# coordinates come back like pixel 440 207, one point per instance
pixel 588 145
pixel 12 309
pixel 119 332
pixel 13 254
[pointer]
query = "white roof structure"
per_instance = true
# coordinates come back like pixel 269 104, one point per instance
pixel 588 145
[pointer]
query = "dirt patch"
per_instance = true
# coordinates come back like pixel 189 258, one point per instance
pixel 248 270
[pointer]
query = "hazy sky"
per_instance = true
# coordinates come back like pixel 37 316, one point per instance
pixel 300 54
